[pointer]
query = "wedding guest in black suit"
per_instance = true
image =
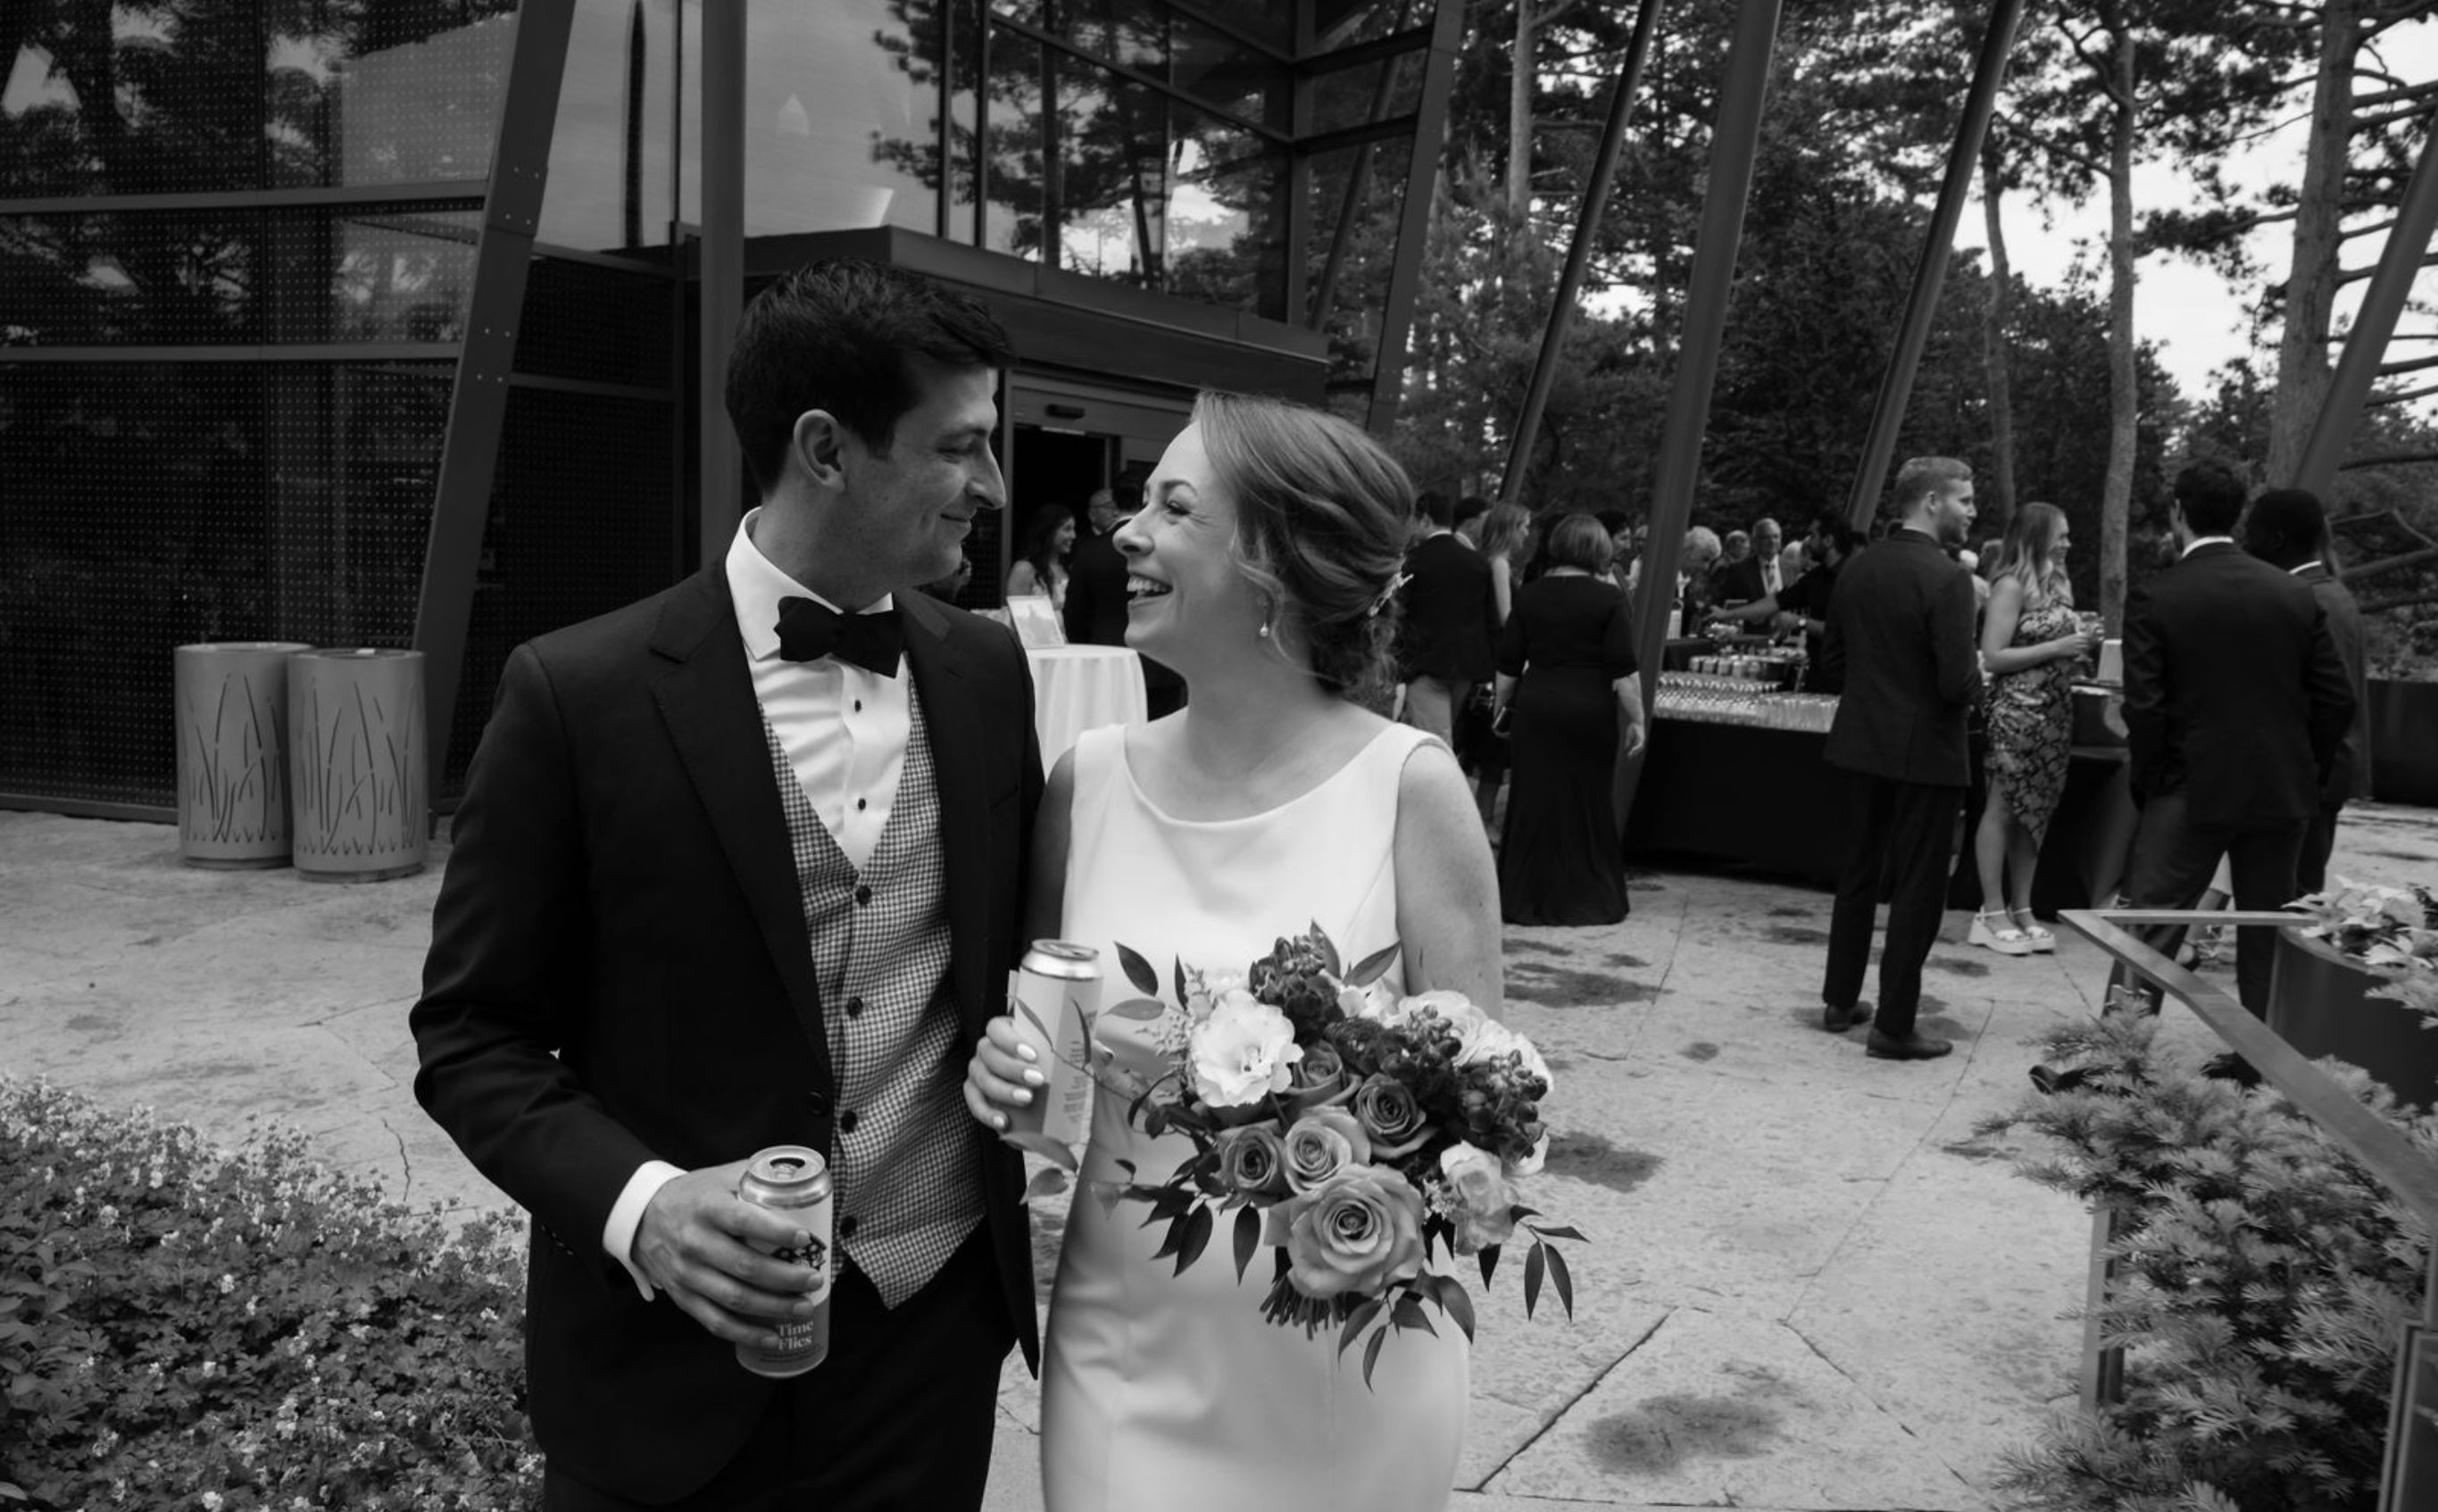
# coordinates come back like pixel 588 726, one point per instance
pixel 1095 613
pixel 1566 668
pixel 1753 576
pixel 1450 612
pixel 2287 528
pixel 739 866
pixel 1901 640
pixel 2237 705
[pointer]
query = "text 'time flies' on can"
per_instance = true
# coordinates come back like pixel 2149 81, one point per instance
pixel 794 1182
pixel 1053 995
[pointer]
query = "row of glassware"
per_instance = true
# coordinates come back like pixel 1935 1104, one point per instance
pixel 1710 698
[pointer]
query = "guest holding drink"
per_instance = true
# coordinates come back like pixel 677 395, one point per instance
pixel 1565 666
pixel 2031 640
pixel 1042 568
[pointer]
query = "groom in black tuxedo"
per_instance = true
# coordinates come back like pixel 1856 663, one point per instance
pixel 739 866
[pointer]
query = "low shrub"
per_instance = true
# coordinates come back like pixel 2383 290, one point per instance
pixel 183 1325
pixel 2263 1278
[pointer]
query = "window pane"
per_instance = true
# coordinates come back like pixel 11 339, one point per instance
pixel 842 116
pixel 610 184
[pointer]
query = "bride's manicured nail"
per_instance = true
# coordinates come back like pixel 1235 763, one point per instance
pixel 999 1120
pixel 1026 1051
pixel 1023 1097
pixel 1036 1078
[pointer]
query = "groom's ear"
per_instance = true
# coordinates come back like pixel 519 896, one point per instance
pixel 818 443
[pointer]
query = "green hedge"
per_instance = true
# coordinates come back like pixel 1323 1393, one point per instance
pixel 183 1326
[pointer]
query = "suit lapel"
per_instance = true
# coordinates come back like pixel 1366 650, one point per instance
pixel 959 766
pixel 706 698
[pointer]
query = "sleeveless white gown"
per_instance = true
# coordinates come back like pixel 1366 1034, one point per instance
pixel 1172 1392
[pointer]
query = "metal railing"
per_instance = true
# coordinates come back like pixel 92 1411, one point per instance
pixel 2409 1481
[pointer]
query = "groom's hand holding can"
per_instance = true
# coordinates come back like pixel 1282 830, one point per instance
pixel 717 1257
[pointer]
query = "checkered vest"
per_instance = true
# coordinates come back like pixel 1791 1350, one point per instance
pixel 901 1151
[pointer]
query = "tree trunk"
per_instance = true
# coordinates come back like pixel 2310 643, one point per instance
pixel 1519 116
pixel 2303 369
pixel 2124 401
pixel 1994 318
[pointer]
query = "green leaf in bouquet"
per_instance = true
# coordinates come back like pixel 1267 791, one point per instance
pixel 1247 1238
pixel 1560 1233
pixel 1137 1010
pixel 1035 1019
pixel 1409 1315
pixel 1328 948
pixel 1489 1259
pixel 1138 972
pixel 1559 1280
pixel 1040 1144
pixel 1177 965
pixel 1519 1212
pixel 1047 1183
pixel 1454 1301
pixel 1375 966
pixel 1372 1354
pixel 1170 1241
pixel 1356 1321
pixel 1198 1238
pixel 1536 1263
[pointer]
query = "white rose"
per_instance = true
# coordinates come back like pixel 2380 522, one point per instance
pixel 1372 1002
pixel 1241 1053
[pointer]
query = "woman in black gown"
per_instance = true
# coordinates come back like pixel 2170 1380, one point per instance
pixel 1565 670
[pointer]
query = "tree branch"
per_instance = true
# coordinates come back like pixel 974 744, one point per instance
pixel 2392 564
pixel 2402 91
pixel 2393 459
pixel 2405 397
pixel 2412 366
pixel 2355 275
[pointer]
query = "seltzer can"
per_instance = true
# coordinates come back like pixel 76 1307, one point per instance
pixel 794 1182
pixel 1052 996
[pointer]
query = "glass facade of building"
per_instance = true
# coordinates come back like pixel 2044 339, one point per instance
pixel 240 244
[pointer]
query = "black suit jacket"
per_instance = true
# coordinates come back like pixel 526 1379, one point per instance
pixel 1450 613
pixel 620 971
pixel 2234 692
pixel 1096 603
pixel 1739 583
pixel 1899 644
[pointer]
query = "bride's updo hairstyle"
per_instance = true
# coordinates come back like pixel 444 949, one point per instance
pixel 1322 515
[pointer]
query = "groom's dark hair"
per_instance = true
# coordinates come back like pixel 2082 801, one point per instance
pixel 843 335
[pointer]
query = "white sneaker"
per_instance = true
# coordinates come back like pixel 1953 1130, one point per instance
pixel 2001 936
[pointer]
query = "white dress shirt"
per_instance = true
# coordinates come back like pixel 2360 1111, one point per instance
pixel 2199 541
pixel 844 730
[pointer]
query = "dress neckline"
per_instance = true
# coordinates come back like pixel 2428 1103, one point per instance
pixel 1126 770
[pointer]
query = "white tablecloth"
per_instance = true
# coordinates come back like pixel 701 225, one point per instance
pixel 1076 688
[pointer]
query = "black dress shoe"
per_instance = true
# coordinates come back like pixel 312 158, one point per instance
pixel 1905 1047
pixel 2231 1067
pixel 1838 1020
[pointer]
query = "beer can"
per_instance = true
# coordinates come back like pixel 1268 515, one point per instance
pixel 794 1181
pixel 1053 993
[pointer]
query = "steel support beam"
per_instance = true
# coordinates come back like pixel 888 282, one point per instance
pixel 1578 253
pixel 478 402
pixel 1930 273
pixel 2349 388
pixel 1733 144
pixel 1414 219
pixel 723 269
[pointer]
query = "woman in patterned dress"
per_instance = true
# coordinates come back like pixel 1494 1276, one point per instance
pixel 2030 643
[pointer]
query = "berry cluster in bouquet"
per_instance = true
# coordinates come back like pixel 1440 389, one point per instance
pixel 1352 1131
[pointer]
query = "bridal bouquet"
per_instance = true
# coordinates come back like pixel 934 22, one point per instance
pixel 1352 1132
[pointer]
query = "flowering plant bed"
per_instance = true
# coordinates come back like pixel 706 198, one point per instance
pixel 1350 1132
pixel 183 1326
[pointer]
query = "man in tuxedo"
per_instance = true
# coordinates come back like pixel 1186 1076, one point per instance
pixel 1096 600
pixel 1754 577
pixel 2286 528
pixel 2236 709
pixel 1900 641
pixel 1450 615
pixel 740 866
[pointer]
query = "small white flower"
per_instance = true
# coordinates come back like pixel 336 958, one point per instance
pixel 211 1501
pixel 227 1283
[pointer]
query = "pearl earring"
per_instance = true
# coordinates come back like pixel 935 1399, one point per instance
pixel 1263 632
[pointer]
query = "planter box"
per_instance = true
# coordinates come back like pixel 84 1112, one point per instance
pixel 2404 742
pixel 2320 1003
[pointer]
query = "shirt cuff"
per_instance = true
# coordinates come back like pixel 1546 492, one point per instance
pixel 626 1215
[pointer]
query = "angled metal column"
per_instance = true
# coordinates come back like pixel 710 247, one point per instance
pixel 1896 381
pixel 1578 253
pixel 1734 143
pixel 2408 242
pixel 723 266
pixel 478 402
pixel 1413 229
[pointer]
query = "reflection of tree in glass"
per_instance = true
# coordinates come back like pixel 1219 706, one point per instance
pixel 1074 149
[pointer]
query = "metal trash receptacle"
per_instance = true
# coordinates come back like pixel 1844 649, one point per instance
pixel 358 777
pixel 231 698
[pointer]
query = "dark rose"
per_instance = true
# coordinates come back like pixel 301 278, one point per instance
pixel 1252 1161
pixel 1390 1115
pixel 1317 1080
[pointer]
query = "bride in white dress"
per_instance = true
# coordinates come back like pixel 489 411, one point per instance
pixel 1269 540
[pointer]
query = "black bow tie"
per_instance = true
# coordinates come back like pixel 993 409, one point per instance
pixel 809 631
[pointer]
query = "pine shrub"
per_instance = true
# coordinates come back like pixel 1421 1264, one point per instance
pixel 2262 1281
pixel 187 1327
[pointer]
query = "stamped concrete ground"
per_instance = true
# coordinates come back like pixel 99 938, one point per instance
pixel 1808 1285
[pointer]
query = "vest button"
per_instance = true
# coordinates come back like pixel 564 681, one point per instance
pixel 863 895
pixel 820 1103
pixel 846 1121
pixel 846 1227
pixel 854 1007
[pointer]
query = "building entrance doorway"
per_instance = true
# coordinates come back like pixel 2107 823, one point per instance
pixel 1062 439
